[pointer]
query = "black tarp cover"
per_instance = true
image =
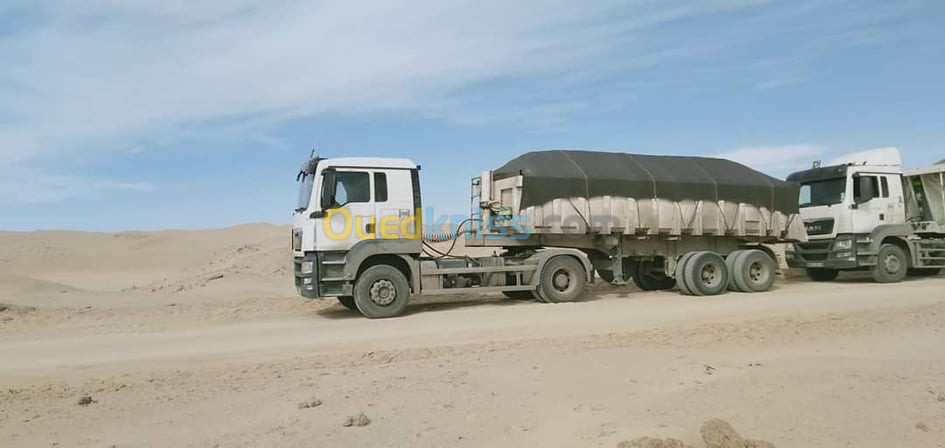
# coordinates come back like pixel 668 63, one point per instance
pixel 555 174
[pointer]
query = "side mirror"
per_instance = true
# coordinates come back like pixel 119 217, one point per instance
pixel 328 190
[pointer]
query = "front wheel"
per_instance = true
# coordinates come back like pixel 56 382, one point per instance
pixel 822 274
pixel 381 291
pixel 891 264
pixel 562 280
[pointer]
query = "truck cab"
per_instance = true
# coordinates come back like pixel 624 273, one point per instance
pixel 856 213
pixel 356 237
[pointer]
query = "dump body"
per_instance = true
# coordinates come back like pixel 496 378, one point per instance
pixel 573 193
pixel 926 191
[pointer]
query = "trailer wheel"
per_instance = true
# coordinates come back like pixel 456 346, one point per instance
pixel 754 271
pixel 923 272
pixel 822 274
pixel 891 264
pixel 680 273
pixel 706 274
pixel 348 302
pixel 562 280
pixel 647 280
pixel 730 264
pixel 381 291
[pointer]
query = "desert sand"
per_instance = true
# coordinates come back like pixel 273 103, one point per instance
pixel 197 338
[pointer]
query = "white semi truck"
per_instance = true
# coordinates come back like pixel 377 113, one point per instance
pixel 554 218
pixel 862 212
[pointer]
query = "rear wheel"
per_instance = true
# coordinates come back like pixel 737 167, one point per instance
pixel 381 291
pixel 348 302
pixel 730 263
pixel 822 274
pixel 891 264
pixel 562 280
pixel 753 271
pixel 681 275
pixel 923 272
pixel 706 274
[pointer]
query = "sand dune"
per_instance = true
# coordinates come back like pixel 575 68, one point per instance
pixel 197 338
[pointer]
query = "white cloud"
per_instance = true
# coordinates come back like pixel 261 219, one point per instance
pixel 775 158
pixel 85 77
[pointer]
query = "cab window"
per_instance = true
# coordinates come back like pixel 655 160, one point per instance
pixel 380 187
pixel 865 188
pixel 352 186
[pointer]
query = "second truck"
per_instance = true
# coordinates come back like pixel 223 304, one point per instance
pixel 862 212
pixel 554 218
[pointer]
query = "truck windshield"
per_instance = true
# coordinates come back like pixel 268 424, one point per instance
pixel 305 191
pixel 823 192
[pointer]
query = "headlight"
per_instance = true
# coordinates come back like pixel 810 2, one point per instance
pixel 308 267
pixel 843 245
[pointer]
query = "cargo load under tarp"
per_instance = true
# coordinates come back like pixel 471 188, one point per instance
pixel 547 175
pixel 637 196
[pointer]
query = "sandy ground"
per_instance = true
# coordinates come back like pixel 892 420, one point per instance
pixel 196 338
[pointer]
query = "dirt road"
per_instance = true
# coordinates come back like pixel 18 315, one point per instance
pixel 807 365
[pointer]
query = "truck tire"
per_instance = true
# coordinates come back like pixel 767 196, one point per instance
pixel 706 274
pixel 923 272
pixel 562 280
pixel 730 263
pixel 822 274
pixel 754 271
pixel 381 291
pixel 680 273
pixel 647 280
pixel 348 302
pixel 891 264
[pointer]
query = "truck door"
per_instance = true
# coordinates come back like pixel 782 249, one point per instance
pixel 891 187
pixel 351 215
pixel 871 208
pixel 393 203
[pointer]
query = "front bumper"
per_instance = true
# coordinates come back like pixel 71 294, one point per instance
pixel 828 254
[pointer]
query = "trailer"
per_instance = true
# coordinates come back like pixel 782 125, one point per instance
pixel 557 219
pixel 863 213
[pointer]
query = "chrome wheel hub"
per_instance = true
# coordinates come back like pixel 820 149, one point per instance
pixel 383 292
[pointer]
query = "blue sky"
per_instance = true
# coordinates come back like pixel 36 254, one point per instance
pixel 172 114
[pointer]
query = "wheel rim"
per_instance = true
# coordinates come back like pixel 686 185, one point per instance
pixel 892 264
pixel 562 280
pixel 711 274
pixel 758 272
pixel 383 292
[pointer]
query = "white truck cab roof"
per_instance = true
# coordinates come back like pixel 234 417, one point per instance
pixel 369 162
pixel 872 157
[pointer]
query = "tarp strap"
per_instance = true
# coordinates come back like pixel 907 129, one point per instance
pixel 655 194
pixel 587 187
